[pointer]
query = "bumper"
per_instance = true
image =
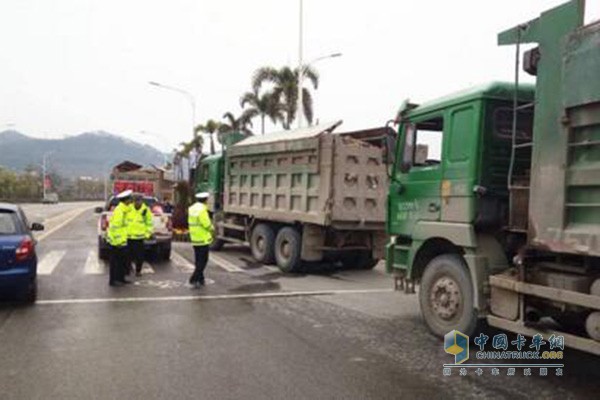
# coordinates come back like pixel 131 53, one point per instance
pixel 18 278
pixel 159 240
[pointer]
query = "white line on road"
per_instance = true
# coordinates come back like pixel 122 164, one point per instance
pixel 223 263
pixel 182 263
pixel 65 222
pixel 147 269
pixel 93 266
pixel 265 295
pixel 50 261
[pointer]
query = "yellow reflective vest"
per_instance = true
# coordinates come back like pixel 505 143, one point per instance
pixel 117 226
pixel 201 227
pixel 139 222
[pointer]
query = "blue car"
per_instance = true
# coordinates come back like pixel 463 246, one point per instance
pixel 18 260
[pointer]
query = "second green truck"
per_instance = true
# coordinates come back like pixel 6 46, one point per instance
pixel 301 197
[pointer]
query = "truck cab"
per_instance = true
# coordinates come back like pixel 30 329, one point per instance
pixel 209 178
pixel 449 192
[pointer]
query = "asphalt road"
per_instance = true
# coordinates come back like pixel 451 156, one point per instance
pixel 251 333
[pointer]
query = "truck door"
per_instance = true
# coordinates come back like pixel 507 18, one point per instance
pixel 415 191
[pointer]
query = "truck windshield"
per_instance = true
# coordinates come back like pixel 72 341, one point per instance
pixel 151 202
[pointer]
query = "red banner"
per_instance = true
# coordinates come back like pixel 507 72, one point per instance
pixel 145 188
pixel 47 183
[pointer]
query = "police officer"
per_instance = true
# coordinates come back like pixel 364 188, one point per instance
pixel 201 236
pixel 117 239
pixel 139 227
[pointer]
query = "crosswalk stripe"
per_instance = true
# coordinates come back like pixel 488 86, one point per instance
pixel 50 261
pixel 93 266
pixel 147 269
pixel 182 263
pixel 223 263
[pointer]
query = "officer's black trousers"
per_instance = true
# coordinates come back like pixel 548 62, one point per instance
pixel 201 258
pixel 136 252
pixel 118 264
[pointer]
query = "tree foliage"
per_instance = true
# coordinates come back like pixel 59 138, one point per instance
pixel 284 82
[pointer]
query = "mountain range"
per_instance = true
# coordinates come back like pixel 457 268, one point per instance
pixel 88 154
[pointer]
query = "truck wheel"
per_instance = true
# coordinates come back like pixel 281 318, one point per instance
pixel 359 260
pixel 287 249
pixel 165 252
pixel 262 244
pixel 446 296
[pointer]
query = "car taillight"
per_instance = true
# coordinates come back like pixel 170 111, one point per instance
pixel 25 250
pixel 104 223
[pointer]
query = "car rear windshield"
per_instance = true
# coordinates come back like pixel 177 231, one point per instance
pixel 9 223
pixel 151 202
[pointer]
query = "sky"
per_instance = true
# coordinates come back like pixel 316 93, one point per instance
pixel 72 66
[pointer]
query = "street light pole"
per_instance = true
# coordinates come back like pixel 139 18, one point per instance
pixel 299 107
pixel 44 172
pixel 187 94
pixel 301 71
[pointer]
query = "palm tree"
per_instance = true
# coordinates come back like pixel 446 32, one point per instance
pixel 285 89
pixel 232 124
pixel 186 149
pixel 265 105
pixel 211 127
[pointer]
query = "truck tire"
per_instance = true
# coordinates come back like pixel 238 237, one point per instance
pixel 262 244
pixel 359 260
pixel 446 296
pixel 165 252
pixel 287 249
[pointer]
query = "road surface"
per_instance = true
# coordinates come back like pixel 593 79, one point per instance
pixel 251 333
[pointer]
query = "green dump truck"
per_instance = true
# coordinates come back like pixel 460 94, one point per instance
pixel 499 218
pixel 301 196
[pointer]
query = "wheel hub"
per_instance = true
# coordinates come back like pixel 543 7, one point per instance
pixel 285 249
pixel 445 298
pixel 260 243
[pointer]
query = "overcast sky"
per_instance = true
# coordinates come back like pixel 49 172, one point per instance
pixel 69 66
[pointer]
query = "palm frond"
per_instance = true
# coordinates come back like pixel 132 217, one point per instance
pixel 262 75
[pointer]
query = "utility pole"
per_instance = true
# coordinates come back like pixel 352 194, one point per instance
pixel 44 173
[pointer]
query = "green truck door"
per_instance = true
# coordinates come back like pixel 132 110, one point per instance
pixel 419 176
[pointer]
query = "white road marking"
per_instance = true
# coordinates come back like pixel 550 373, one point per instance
pixel 147 269
pixel 93 265
pixel 59 226
pixel 50 261
pixel 265 295
pixel 182 263
pixel 223 263
pixel 271 268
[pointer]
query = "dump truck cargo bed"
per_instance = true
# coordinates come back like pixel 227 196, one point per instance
pixel 311 176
